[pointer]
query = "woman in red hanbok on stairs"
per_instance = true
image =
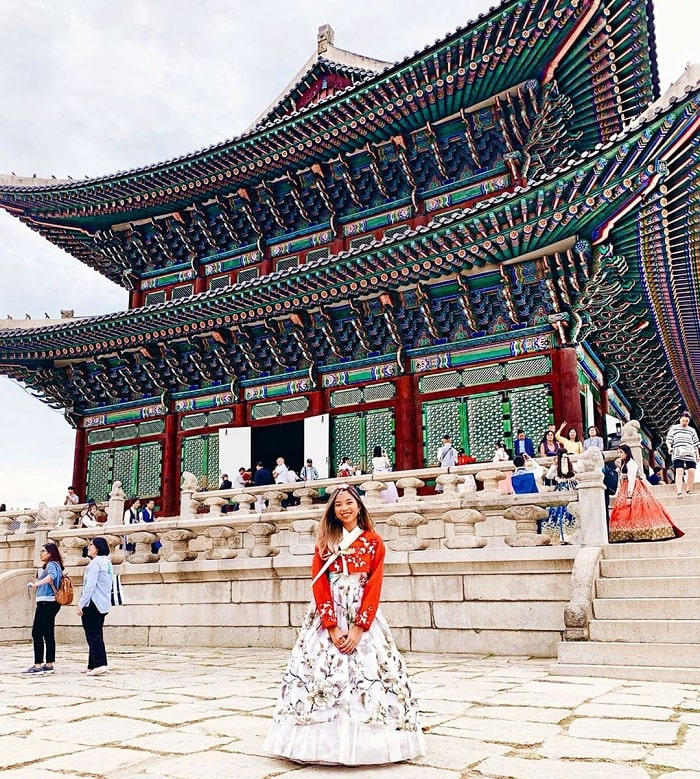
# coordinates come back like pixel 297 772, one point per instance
pixel 637 515
pixel 345 697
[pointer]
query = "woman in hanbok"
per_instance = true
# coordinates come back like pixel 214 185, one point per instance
pixel 381 464
pixel 345 697
pixel 637 515
pixel 560 522
pixel 501 455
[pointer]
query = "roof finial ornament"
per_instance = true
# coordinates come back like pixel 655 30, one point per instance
pixel 326 36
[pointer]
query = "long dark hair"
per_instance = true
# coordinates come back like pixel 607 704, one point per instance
pixel 54 554
pixel 569 473
pixel 628 456
pixel 330 529
pixel 377 452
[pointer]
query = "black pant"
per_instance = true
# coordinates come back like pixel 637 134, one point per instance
pixel 43 631
pixel 93 621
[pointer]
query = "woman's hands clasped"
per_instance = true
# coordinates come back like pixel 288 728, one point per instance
pixel 346 642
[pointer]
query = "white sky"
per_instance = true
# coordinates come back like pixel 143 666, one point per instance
pixel 90 87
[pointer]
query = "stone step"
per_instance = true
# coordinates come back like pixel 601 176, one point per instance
pixel 647 608
pixel 667 492
pixel 632 673
pixel 652 549
pixel 649 587
pixel 645 631
pixel 633 654
pixel 657 567
pixel 682 510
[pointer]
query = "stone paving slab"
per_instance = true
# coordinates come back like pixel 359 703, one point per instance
pixel 204 713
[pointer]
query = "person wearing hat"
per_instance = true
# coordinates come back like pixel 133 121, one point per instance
pixel 683 443
pixel 95 602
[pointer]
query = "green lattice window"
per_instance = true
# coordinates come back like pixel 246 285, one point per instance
pixel 531 410
pixel 200 455
pixel 138 468
pixel 476 422
pixel 356 435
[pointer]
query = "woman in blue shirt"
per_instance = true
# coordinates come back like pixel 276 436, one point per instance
pixel 46 610
pixel 94 604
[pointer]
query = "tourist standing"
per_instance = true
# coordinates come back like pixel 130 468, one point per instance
pixel 682 441
pixel 89 517
pixel 548 445
pixel 637 515
pixel 345 697
pixel 559 520
pixel 72 497
pixel 346 468
pixel 593 439
pixel 94 604
pixel 523 445
pixel 447 454
pixel 308 472
pixel 43 628
pixel 571 443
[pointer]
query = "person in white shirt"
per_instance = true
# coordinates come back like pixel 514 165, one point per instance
pixel 682 442
pixel 281 472
pixel 71 498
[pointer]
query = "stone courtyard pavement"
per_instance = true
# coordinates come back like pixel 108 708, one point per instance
pixel 204 712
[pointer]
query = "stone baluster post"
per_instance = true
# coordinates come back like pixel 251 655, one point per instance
pixel 591 497
pixel 525 518
pixel 115 506
pixel 306 497
pixel 372 490
pixel 450 486
pixel 215 505
pixel 175 546
pixel 410 486
pixel 463 521
pixel 407 523
pixel 274 499
pixel 224 542
pixel 490 479
pixel 302 536
pixel 262 533
pixel 245 502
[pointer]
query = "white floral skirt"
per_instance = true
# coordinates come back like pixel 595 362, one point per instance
pixel 355 709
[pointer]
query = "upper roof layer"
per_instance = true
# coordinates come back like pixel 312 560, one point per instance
pixel 600 54
pixel 630 285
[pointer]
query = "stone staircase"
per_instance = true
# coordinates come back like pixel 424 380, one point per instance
pixel 646 606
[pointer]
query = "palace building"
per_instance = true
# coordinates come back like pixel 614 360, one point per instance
pixel 499 231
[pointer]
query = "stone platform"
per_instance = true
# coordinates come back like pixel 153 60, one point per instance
pixel 204 712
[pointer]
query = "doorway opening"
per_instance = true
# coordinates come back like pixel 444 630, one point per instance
pixel 283 440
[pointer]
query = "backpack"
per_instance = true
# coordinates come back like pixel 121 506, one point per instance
pixel 64 592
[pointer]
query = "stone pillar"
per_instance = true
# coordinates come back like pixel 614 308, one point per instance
pixel 115 507
pixel 215 505
pixel 302 537
pixel 525 518
pixel 245 501
pixel 632 437
pixel 306 497
pixel 450 483
pixel 72 551
pixel 465 536
pixel 188 507
pixel 262 533
pixel 490 481
pixel 591 498
pixel 224 543
pixel 116 548
pixel 143 541
pixel 175 546
pixel 408 524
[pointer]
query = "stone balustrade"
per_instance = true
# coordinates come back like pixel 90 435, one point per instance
pixel 449 519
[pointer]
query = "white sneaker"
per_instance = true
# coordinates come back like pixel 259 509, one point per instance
pixel 97 671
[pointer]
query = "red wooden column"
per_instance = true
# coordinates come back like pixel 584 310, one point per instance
pixel 567 396
pixel 80 465
pixel 317 403
pixel 406 415
pixel 170 487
